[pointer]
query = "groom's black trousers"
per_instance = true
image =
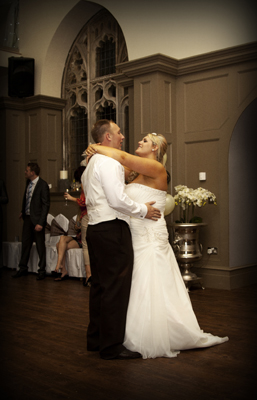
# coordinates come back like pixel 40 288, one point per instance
pixel 111 261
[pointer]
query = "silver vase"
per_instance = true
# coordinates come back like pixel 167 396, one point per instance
pixel 187 249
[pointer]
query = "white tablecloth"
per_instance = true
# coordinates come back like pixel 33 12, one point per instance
pixel 74 259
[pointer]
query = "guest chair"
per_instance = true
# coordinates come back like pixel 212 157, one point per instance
pixel 75 264
pixel 59 227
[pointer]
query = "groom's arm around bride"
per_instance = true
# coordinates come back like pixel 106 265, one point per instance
pixel 110 245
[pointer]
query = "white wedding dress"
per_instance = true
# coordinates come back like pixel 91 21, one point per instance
pixel 160 318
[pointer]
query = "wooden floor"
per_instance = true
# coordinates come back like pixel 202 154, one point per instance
pixel 43 348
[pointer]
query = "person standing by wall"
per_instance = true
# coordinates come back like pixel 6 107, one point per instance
pixel 35 207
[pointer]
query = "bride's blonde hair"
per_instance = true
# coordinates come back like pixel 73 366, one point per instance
pixel 159 140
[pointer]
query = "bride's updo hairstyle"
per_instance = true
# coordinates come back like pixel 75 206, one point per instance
pixel 160 141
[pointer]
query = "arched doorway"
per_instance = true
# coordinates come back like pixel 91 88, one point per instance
pixel 242 189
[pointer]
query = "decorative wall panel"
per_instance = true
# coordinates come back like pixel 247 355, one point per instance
pixel 32 134
pixel 247 82
pixel 145 96
pixel 167 108
pixel 15 191
pixel 52 172
pixel 203 156
pixel 201 96
pixel 196 161
pixel 51 133
pixel 16 140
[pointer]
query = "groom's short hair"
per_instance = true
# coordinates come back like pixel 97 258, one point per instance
pixel 99 129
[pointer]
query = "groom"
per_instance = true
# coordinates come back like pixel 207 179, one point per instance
pixel 110 246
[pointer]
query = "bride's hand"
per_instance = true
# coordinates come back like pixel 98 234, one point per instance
pixel 91 150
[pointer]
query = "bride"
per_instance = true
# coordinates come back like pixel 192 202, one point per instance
pixel 160 318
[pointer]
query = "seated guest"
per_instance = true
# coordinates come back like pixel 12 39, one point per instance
pixel 84 223
pixel 66 243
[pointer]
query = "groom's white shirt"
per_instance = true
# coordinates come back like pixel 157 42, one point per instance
pixel 106 200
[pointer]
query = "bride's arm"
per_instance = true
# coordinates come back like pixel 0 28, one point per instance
pixel 144 166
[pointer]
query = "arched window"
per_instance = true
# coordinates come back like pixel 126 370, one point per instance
pixel 78 135
pixel 89 85
pixel 105 57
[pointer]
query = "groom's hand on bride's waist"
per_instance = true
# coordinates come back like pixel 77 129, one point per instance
pixel 152 213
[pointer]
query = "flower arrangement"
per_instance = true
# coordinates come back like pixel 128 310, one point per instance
pixel 188 199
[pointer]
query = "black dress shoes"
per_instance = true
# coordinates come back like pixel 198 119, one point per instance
pixel 41 276
pixel 21 272
pixel 128 355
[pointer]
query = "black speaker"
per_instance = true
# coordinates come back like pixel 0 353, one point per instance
pixel 20 77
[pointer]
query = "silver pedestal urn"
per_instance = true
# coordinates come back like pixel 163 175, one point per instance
pixel 187 250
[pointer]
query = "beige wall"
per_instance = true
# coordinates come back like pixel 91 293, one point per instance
pixel 183 28
pixel 178 29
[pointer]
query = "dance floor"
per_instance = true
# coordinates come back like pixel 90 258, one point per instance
pixel 43 348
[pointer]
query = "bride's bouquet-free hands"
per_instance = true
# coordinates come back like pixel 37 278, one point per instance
pixel 90 151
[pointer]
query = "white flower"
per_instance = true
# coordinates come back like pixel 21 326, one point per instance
pixel 187 198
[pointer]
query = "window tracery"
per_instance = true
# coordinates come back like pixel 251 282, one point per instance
pixel 89 84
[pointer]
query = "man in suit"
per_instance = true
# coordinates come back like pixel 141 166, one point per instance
pixel 110 245
pixel 35 207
